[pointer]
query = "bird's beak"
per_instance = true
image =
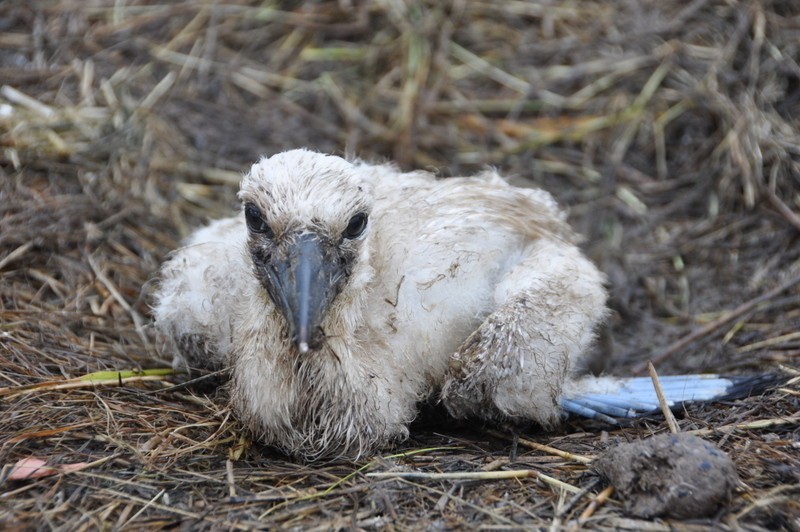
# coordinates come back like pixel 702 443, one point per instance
pixel 302 286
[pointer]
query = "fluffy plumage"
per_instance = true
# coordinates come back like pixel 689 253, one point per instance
pixel 345 293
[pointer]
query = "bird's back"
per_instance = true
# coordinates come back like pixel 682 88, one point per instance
pixel 441 247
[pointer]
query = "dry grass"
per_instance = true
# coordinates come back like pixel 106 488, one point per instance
pixel 671 129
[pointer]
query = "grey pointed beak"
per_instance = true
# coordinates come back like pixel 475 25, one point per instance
pixel 302 285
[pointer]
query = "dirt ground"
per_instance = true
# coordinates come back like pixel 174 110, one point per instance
pixel 671 130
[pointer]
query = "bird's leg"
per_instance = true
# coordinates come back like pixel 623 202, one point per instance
pixel 515 364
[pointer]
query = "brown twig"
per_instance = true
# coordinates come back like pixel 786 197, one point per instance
pixel 662 401
pixel 712 326
pixel 598 501
pixel 544 448
pixel 792 217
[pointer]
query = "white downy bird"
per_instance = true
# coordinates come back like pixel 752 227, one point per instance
pixel 346 293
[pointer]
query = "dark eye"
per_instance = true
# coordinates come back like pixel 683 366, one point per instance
pixel 255 222
pixel 356 226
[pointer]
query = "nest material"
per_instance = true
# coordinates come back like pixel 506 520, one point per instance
pixel 671 130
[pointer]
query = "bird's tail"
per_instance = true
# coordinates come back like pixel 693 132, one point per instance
pixel 608 399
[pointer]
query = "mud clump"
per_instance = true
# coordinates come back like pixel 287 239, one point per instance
pixel 671 475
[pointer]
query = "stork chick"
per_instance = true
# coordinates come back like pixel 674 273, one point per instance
pixel 346 293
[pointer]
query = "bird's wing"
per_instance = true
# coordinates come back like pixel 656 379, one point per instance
pixel 607 398
pixel 200 289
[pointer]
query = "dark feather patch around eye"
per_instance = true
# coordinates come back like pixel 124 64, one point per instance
pixel 255 221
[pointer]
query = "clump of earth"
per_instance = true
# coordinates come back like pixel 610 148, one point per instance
pixel 671 475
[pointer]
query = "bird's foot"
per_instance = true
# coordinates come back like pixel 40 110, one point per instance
pixel 503 371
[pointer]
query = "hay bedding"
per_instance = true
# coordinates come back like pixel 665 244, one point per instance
pixel 669 128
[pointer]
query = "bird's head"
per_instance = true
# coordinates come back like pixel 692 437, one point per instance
pixel 307 217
